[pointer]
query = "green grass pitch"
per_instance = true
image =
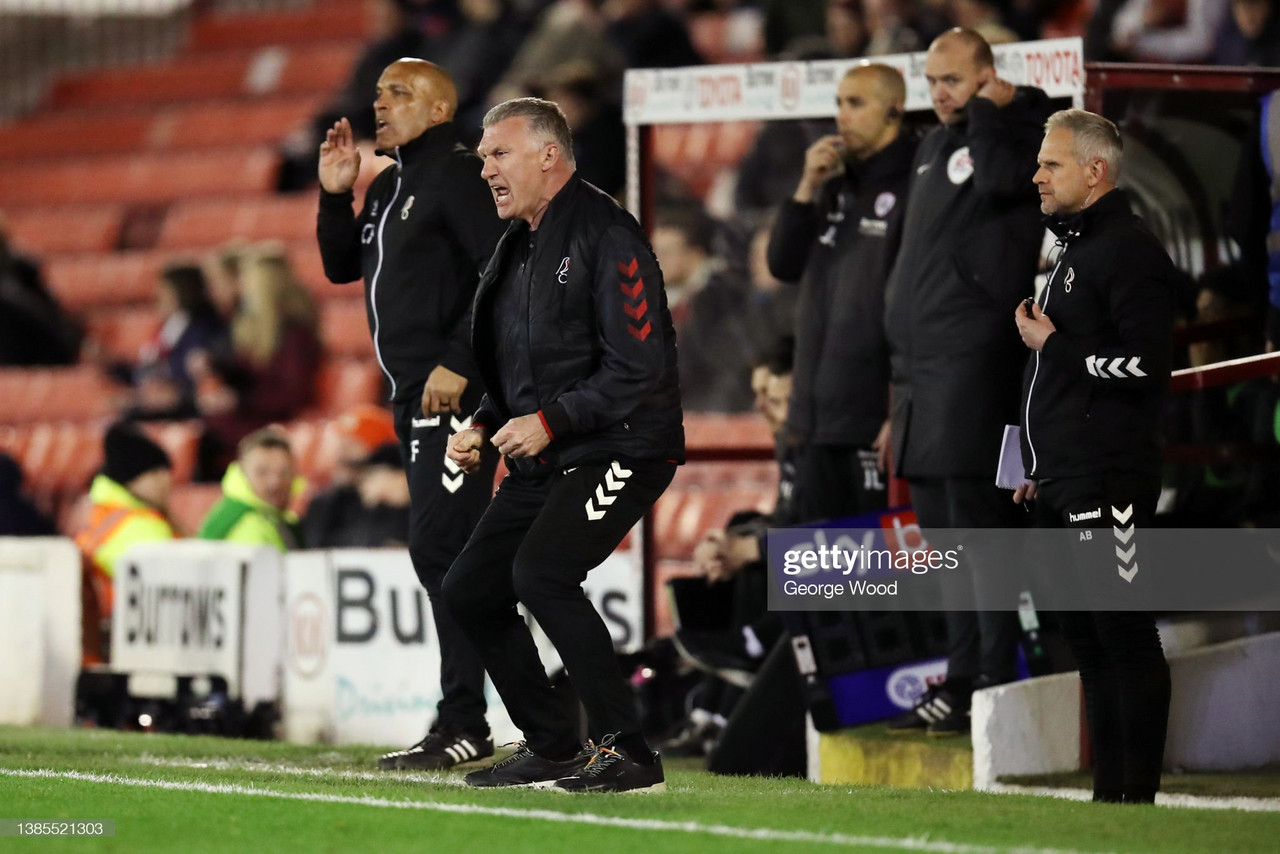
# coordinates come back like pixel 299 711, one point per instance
pixel 201 794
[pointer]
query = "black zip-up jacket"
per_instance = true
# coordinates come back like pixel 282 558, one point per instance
pixel 970 245
pixel 841 248
pixel 427 229
pixel 596 330
pixel 1092 397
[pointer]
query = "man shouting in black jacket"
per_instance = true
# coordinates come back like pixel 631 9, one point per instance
pixel 427 229
pixel 575 344
pixel 970 246
pixel 1091 401
pixel 840 232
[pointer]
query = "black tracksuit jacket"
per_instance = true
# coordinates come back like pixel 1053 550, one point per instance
pixel 599 347
pixel 970 246
pixel 1092 397
pixel 841 248
pixel 427 229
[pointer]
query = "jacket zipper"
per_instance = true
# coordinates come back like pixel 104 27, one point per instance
pixel 1026 420
pixel 377 271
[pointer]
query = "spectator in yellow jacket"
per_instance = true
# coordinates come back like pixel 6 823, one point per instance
pixel 130 503
pixel 256 492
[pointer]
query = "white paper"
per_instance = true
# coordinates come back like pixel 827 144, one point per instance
pixel 1010 474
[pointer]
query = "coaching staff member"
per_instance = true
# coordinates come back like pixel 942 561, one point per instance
pixel 576 349
pixel 838 235
pixel 1092 393
pixel 970 247
pixel 427 229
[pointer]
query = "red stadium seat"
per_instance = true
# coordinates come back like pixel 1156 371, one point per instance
pixel 191 503
pixel 304 256
pixel 231 123
pixel 65 229
pixel 54 394
pixel 718 431
pixel 86 281
pixel 344 383
pixel 207 223
pixel 151 178
pixel 76 134
pixel 237 30
pixel 305 69
pixel 122 332
pixel 343 328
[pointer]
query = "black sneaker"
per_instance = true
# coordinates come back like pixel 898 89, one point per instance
pixel 718 654
pixel 611 770
pixel 692 741
pixel 937 706
pixel 438 751
pixel 526 768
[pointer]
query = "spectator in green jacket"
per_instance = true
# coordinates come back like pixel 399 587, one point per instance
pixel 256 492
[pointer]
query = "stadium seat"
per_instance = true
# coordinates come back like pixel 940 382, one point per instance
pixel 190 503
pixel 343 328
pixel 79 393
pixel 721 37
pixel 304 256
pixel 344 383
pixel 65 229
pixel 149 178
pixel 315 448
pixel 238 30
pixel 209 222
pixel 122 332
pixel 87 281
pixel 74 134
pixel 231 123
pixel 308 69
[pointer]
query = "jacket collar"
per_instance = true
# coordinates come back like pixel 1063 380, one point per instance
pixel 440 138
pixel 1070 227
pixel 235 485
pixel 110 493
pixel 560 206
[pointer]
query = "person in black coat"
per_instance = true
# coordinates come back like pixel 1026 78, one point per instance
pixel 426 230
pixel 838 235
pixel 575 343
pixel 970 248
pixel 1092 394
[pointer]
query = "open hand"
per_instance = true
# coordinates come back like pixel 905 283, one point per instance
pixel 339 159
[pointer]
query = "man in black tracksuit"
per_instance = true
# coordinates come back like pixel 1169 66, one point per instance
pixel 1092 393
pixel 969 252
pixel 576 348
pixel 838 235
pixel 426 230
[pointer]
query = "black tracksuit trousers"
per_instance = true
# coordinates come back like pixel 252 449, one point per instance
pixel 1122 665
pixel 535 545
pixel 444 507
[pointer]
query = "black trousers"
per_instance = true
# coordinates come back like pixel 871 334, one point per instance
pixel 535 545
pixel 445 506
pixel 979 643
pixel 1122 665
pixel 833 481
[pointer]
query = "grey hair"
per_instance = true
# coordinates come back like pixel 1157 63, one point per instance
pixel 1095 138
pixel 546 121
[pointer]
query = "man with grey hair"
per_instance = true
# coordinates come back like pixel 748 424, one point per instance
pixel 575 345
pixel 1092 394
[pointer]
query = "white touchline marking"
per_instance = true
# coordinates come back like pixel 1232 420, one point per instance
pixel 1163 799
pixel 436 777
pixel 903 843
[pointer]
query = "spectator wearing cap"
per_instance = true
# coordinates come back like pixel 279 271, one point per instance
pixel 256 492
pixel 130 503
pixel 362 505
